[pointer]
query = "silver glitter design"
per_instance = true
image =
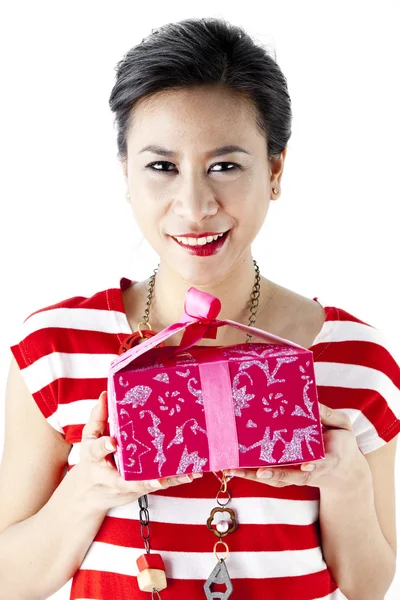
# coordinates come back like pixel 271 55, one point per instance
pixel 183 373
pixel 150 365
pixel 261 351
pixel 298 411
pixel 282 351
pixel 179 438
pixel 191 459
pixel 293 450
pixel 177 407
pixel 197 393
pixel 266 444
pixel 162 377
pixel 132 461
pixel 169 403
pixel 280 410
pixel 122 382
pixel 158 438
pixel 240 398
pixel 271 377
pixel 137 396
pixel 133 447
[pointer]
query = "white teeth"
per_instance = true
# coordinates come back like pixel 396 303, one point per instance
pixel 198 241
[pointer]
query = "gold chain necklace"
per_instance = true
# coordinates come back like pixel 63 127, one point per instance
pixel 255 299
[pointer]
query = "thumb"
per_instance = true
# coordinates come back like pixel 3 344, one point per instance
pixel 97 422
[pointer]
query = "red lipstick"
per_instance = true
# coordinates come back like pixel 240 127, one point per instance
pixel 206 249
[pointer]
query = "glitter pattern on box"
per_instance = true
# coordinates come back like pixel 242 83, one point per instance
pixel 166 423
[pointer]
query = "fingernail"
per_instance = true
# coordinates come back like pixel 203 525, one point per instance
pixel 155 483
pixel 230 472
pixel 184 479
pixel 197 475
pixel 307 467
pixel 109 445
pixel 265 474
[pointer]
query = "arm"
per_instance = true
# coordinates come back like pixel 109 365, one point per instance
pixel 48 527
pixel 353 524
pixel 357 507
pixel 50 545
pixel 48 521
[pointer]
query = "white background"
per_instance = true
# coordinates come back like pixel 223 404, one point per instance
pixel 63 211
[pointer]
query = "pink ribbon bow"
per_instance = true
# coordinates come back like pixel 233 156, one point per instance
pixel 201 311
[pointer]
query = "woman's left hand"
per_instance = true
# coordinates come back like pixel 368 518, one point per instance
pixel 342 465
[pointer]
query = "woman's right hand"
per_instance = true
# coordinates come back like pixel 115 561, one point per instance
pixel 104 486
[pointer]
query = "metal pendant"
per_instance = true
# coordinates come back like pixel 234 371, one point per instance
pixel 219 575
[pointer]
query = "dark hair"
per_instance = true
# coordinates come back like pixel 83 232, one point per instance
pixel 195 52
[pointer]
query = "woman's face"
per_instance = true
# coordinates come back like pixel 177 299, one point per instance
pixel 186 186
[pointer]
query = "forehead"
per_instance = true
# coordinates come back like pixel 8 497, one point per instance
pixel 208 111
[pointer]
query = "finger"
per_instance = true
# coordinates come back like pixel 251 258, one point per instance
pixel 96 424
pixel 279 477
pixel 334 418
pixel 252 475
pixel 150 485
pixel 99 448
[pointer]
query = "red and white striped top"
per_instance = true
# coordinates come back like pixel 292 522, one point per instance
pixel 64 352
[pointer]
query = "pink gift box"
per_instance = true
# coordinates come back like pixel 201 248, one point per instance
pixel 187 408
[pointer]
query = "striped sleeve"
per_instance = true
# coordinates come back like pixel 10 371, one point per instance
pixel 357 373
pixel 378 421
pixel 34 365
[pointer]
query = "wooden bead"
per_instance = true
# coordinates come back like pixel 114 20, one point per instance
pixel 150 579
pixel 150 561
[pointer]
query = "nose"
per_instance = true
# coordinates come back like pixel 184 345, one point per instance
pixel 194 199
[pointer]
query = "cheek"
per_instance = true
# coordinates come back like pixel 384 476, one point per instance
pixel 150 219
pixel 144 214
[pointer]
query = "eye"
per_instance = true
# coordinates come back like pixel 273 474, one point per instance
pixel 159 162
pixel 151 166
pixel 233 167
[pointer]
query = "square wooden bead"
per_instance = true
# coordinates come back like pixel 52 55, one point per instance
pixel 148 579
pixel 150 561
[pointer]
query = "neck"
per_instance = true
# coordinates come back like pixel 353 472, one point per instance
pixel 233 290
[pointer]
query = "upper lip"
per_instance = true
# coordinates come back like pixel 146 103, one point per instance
pixel 199 235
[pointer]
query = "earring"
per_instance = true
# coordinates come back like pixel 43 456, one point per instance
pixel 128 196
pixel 275 190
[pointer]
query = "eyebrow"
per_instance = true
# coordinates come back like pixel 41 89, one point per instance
pixel 216 152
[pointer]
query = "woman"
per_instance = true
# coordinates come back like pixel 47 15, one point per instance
pixel 204 119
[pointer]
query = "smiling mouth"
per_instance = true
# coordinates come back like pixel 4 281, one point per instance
pixel 198 241
pixel 204 248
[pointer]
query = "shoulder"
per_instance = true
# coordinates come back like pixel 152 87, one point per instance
pixel 73 312
pixel 65 347
pixel 64 326
pixel 97 301
pixel 357 371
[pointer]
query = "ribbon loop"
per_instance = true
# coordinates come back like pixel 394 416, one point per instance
pixel 201 310
pixel 201 305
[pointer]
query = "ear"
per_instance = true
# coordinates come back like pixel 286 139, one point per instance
pixel 276 166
